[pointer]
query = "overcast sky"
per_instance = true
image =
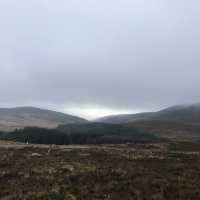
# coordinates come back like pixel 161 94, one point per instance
pixel 99 57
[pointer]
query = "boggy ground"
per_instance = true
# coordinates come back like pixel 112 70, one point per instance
pixel 117 172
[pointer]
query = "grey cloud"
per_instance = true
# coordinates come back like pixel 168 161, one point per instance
pixel 126 54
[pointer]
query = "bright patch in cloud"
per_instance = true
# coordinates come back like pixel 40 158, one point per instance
pixel 92 113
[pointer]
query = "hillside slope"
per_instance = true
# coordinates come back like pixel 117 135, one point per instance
pixel 182 113
pixel 20 117
pixel 168 129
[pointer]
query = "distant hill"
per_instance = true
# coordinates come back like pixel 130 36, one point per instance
pixel 89 133
pixel 182 113
pixel 20 117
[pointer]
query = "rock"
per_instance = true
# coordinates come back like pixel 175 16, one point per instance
pixel 36 155
pixel 37 171
pixel 3 173
pixel 68 167
pixel 26 175
pixel 84 154
pixel 70 197
pixel 4 157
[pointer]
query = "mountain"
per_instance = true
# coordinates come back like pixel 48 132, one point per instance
pixel 88 133
pixel 20 117
pixel 180 113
